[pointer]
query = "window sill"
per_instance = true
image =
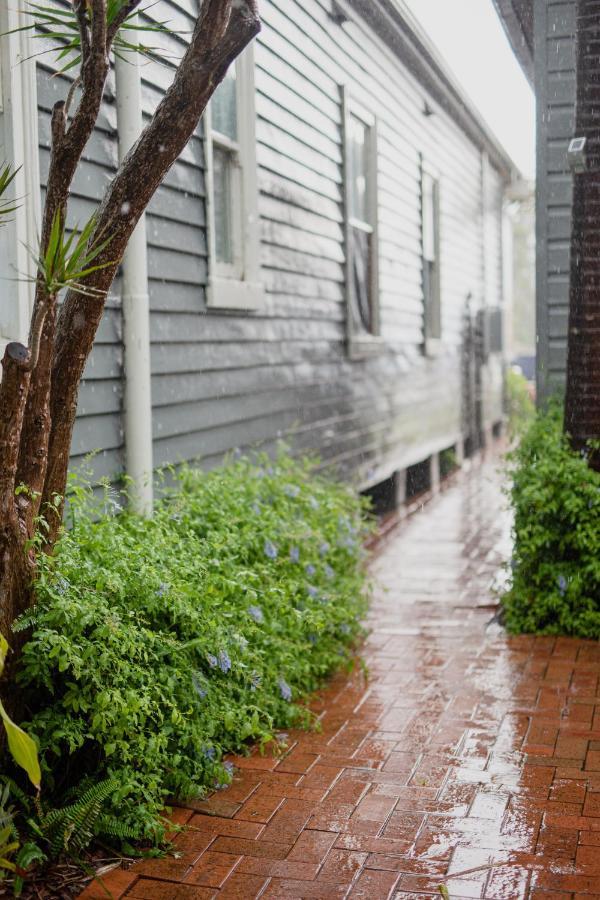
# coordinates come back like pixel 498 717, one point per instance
pixel 363 346
pixel 227 293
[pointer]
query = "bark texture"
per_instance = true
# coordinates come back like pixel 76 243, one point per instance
pixel 582 401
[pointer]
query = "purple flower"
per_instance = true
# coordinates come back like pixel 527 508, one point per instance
pixel 284 689
pixel 329 571
pixel 312 591
pixel 291 490
pixel 209 753
pixel 255 509
pixel 199 686
pixel 314 504
pixel 255 680
pixel 310 570
pixel 312 639
pixel 256 613
pixel 212 660
pixel 162 590
pixel 229 767
pixel 62 584
pixel 224 661
pixel 562 584
pixel 295 554
pixel 270 550
pixel 324 548
pixel 345 628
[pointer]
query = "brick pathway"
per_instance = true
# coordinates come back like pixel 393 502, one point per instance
pixel 467 759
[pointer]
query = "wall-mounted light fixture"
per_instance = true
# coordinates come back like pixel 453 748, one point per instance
pixel 577 156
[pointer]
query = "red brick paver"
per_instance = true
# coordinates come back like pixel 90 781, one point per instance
pixel 466 759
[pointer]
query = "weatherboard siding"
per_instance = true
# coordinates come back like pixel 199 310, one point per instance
pixel 224 380
pixel 230 380
pixel 556 90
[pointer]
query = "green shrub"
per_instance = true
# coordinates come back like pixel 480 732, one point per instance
pixel 158 645
pixel 519 403
pixel 556 565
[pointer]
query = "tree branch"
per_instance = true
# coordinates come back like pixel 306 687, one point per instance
pixel 80 9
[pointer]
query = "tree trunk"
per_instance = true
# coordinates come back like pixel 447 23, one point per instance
pixel 582 400
pixel 14 563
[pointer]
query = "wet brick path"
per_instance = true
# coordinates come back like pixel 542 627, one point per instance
pixel 466 759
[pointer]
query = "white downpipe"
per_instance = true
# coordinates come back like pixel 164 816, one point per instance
pixel 136 307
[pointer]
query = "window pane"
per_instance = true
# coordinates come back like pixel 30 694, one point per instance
pixel 429 217
pixel 222 164
pixel 224 106
pixel 360 289
pixel 358 162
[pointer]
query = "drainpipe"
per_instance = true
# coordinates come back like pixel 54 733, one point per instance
pixel 136 307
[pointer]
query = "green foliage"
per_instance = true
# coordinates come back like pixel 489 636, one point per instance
pixel 71 828
pixel 8 844
pixel 68 260
pixel 60 25
pixel 159 645
pixel 7 176
pixel 448 461
pixel 556 566
pixel 520 405
pixel 22 748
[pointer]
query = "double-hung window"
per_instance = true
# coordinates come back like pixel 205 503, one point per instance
pixel 360 180
pixel 430 230
pixel 234 266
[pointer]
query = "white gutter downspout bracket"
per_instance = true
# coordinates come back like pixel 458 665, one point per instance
pixel 136 307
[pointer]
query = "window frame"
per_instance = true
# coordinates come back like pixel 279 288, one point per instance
pixel 432 336
pixel 361 343
pixel 19 140
pixel 236 285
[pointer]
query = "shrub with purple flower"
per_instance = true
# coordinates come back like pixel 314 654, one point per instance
pixel 270 549
pixel 224 661
pixel 256 613
pixel 284 689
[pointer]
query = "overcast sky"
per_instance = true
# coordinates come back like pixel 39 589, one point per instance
pixel 469 35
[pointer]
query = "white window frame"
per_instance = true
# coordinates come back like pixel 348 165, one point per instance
pixel 19 147
pixel 361 343
pixel 432 339
pixel 237 286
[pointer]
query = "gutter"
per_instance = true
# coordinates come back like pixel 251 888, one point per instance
pixel 136 308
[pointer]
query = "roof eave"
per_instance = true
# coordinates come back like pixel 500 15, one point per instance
pixel 398 27
pixel 517 18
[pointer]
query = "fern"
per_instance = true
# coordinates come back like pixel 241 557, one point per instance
pixel 111 827
pixel 72 828
pixel 26 620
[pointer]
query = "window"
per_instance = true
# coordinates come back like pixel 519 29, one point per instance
pixel 430 227
pixel 360 177
pixel 234 271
